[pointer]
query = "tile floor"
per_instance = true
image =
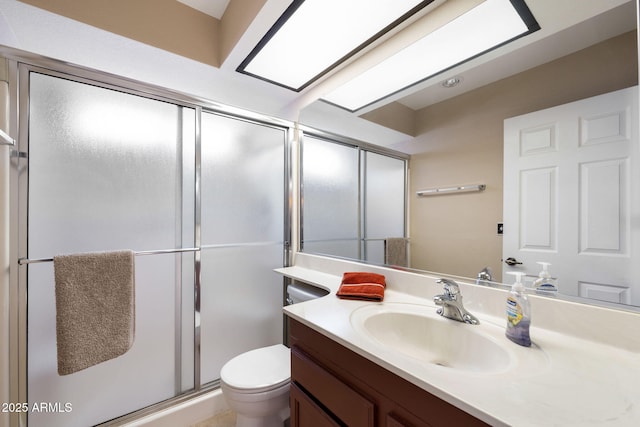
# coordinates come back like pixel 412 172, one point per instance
pixel 223 419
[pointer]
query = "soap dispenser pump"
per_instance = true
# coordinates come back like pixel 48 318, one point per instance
pixel 545 284
pixel 518 313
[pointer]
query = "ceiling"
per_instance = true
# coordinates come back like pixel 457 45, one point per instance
pixel 565 29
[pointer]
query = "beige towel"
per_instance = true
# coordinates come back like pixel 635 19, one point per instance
pixel 95 308
pixel 395 251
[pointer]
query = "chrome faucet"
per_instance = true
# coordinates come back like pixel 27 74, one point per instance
pixel 451 303
pixel 484 277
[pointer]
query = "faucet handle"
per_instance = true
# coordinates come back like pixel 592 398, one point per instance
pixel 451 288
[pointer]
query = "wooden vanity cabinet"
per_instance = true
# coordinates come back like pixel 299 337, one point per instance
pixel 334 386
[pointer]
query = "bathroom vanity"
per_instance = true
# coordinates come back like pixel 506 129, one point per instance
pixel 331 382
pixel 398 363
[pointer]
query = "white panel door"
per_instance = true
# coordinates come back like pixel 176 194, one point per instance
pixel 571 193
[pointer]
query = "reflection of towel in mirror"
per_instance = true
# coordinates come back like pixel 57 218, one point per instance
pixel 362 286
pixel 95 308
pixel 395 251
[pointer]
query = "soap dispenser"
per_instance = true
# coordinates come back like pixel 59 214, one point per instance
pixel 545 284
pixel 518 313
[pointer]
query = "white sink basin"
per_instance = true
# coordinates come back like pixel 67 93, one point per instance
pixel 416 331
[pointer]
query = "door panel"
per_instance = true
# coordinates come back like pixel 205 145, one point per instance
pixel 242 238
pixel 571 185
pixel 105 172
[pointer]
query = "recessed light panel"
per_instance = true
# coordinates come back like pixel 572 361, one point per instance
pixel 314 36
pixel 477 31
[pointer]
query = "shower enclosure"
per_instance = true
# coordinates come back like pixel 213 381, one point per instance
pixel 200 193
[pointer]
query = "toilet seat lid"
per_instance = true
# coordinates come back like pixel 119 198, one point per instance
pixel 258 370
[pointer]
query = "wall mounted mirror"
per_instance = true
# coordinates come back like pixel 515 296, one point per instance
pixel 458 139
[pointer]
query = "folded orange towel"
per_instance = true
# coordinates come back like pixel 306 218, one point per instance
pixel 362 286
pixel 363 277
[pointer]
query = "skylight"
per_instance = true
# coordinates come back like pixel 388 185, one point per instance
pixel 314 36
pixel 485 27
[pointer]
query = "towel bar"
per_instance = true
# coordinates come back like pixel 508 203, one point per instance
pixel 22 261
pixel 6 139
pixel 448 190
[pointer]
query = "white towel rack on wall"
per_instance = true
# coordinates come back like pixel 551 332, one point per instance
pixel 449 190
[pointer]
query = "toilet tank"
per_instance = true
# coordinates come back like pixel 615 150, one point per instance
pixel 300 292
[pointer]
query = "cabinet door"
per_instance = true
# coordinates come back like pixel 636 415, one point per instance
pixel 393 420
pixel 306 413
pixel 344 403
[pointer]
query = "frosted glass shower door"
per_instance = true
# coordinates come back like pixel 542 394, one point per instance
pixel 108 170
pixel 243 200
pixel 384 202
pixel 330 198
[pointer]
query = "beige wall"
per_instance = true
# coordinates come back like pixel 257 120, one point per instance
pixel 165 24
pixel 462 140
pixel 395 116
pixel 237 18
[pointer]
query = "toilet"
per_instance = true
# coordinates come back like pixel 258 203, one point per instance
pixel 255 385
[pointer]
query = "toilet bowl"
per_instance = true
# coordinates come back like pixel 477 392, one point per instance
pixel 255 385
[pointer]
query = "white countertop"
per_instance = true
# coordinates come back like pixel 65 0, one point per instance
pixel 562 380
